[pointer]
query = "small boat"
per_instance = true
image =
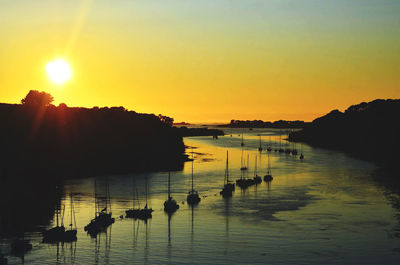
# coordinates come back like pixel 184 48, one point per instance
pixel 244 182
pixel 242 143
pixel 228 187
pixel 257 179
pixel 70 235
pixel 138 213
pixel 260 147
pixel 301 152
pixel 268 177
pixel 193 196
pixel 294 152
pixel 103 218
pixel 134 212
pixel 170 204
pixel 56 233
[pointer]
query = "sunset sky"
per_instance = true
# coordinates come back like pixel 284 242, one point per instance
pixel 204 60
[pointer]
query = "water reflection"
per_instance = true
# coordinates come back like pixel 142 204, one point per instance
pixel 324 207
pixel 102 246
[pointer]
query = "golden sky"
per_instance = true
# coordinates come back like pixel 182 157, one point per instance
pixel 204 61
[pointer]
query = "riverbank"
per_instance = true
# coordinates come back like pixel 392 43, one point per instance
pixel 367 131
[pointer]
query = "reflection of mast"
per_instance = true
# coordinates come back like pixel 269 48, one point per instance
pixel 73 252
pixel 146 248
pixel 108 245
pixel 192 230
pixel 58 253
pixel 169 245
pixel 227 212
pixel 97 248
pixel 169 229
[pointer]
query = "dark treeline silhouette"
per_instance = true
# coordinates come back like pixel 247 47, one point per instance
pixel 281 124
pixel 38 135
pixel 368 130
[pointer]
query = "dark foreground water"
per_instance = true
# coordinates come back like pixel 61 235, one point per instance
pixel 326 209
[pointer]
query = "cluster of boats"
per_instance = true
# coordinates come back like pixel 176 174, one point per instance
pixel 289 151
pixel 245 182
pixel 103 216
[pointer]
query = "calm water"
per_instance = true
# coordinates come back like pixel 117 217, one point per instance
pixel 326 209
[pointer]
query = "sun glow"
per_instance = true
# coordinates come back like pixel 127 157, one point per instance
pixel 58 71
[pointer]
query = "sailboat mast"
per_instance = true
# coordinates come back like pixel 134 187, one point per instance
pixel 255 167
pixel 108 199
pixel 133 194
pixel 95 199
pixel 169 184
pixel 241 159
pixel 147 189
pixel 57 214
pixel 227 168
pixel 192 171
pixel 70 198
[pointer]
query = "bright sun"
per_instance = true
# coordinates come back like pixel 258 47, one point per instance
pixel 58 71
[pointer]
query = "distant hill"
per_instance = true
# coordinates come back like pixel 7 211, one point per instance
pixel 281 124
pixel 368 130
pixel 183 123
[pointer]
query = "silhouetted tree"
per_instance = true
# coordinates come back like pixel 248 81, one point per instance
pixel 165 119
pixel 37 99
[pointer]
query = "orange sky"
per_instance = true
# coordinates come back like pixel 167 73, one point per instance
pixel 204 61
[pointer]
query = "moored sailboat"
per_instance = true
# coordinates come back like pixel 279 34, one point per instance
pixel 56 233
pixel 268 177
pixel 103 218
pixel 170 204
pixel 301 152
pixel 193 196
pixel 228 187
pixel 257 179
pixel 70 234
pixel 245 182
pixel 269 148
